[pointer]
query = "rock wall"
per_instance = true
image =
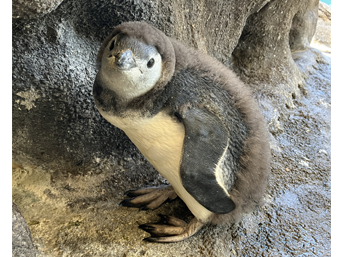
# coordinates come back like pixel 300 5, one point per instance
pixel 71 166
pixel 22 244
pixel 55 122
pixel 322 38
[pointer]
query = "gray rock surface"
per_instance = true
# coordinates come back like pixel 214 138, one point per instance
pixel 71 167
pixel 54 65
pixel 27 9
pixel 303 26
pixel 22 244
pixel 322 38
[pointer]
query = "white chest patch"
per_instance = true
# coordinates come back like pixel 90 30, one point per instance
pixel 160 140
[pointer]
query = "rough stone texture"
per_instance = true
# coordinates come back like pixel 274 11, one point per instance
pixel 54 59
pixel 263 53
pixel 322 38
pixel 303 26
pixel 22 244
pixel 71 167
pixel 26 9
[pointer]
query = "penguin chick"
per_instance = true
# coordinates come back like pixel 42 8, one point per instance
pixel 193 120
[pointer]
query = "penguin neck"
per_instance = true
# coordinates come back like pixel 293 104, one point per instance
pixel 108 97
pixel 124 88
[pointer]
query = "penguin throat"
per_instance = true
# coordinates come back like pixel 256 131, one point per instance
pixel 124 86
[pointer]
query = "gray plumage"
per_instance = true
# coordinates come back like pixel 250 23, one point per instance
pixel 224 129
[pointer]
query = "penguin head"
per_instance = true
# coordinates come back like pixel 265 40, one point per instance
pixel 138 73
pixel 130 67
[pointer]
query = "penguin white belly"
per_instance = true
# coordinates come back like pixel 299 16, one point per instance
pixel 160 140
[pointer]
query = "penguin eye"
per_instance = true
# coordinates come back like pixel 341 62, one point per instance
pixel 150 63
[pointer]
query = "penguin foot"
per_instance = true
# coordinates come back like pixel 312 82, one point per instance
pixel 149 198
pixel 170 229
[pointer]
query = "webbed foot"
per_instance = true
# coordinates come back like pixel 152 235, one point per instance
pixel 170 229
pixel 149 198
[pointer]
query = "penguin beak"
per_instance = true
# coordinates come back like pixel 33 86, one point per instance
pixel 125 60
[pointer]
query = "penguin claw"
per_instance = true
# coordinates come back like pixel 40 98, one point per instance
pixel 129 192
pixel 173 230
pixel 148 198
pixel 122 203
pixel 143 226
pixel 128 203
pixel 161 229
pixel 151 239
pixel 143 208
pixel 143 191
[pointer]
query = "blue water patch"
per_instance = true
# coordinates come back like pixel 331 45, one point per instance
pixel 328 2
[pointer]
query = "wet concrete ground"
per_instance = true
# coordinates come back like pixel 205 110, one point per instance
pixel 81 216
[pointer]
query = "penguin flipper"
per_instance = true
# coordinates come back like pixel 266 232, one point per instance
pixel 205 144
